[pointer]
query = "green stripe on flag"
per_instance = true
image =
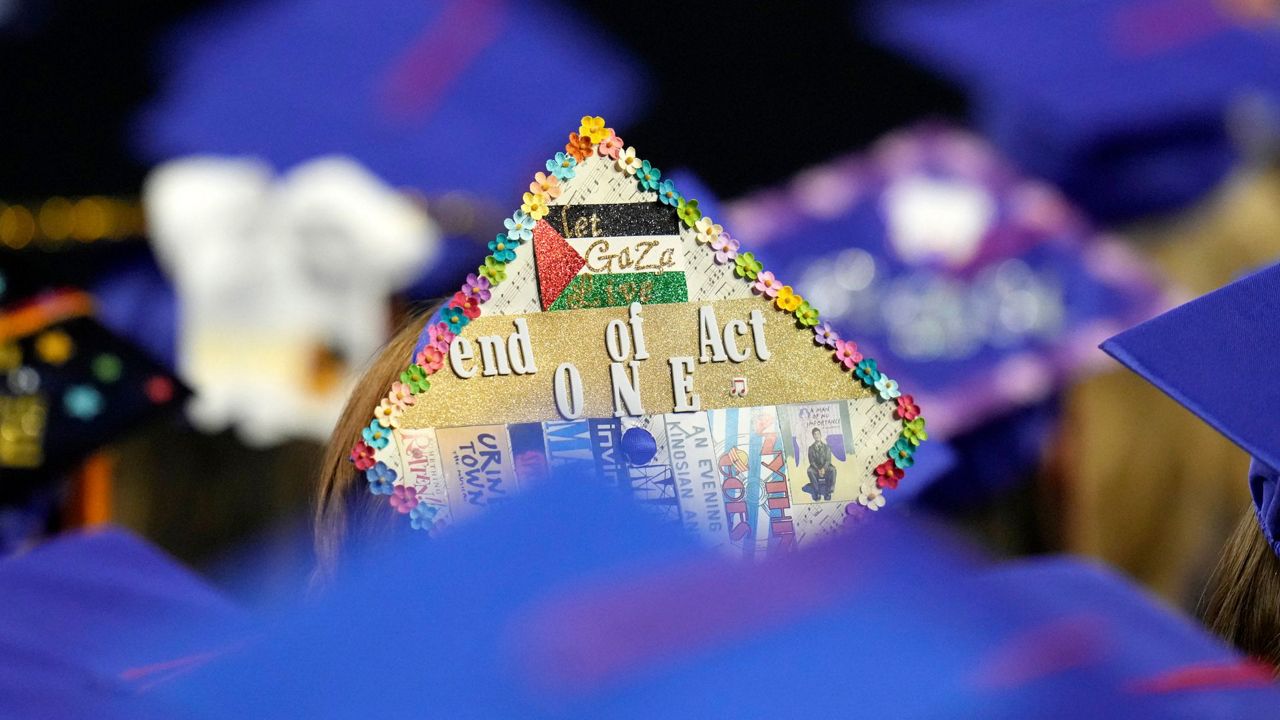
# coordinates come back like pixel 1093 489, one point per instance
pixel 621 289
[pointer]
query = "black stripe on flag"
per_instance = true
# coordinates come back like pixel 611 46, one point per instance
pixel 614 220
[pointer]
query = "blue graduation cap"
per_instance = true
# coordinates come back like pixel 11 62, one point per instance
pixel 1123 104
pixel 983 286
pixel 570 602
pixel 1212 356
pixel 90 620
pixel 440 96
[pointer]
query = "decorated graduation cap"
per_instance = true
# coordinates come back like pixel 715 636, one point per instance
pixel 1124 104
pixel 1214 356
pixel 616 332
pixel 984 288
pixel 67 386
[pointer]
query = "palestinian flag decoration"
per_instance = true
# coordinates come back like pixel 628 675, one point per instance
pixel 617 335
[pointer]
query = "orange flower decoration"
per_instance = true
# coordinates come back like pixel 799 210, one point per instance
pixel 548 186
pixel 579 146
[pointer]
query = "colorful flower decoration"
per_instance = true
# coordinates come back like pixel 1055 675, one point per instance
pixel 416 378
pixel 362 455
pixel 548 186
pixel 628 162
pixel 847 354
pixel 535 206
pixel 423 516
pixel 787 300
pixel 903 454
pixel 767 285
pixel 387 414
pixel 381 478
pixel 825 336
pixel 907 408
pixel 82 402
pixel 401 395
pixel 746 266
pixel 376 436
pixel 493 270
pixel 106 367
pixel 593 127
pixel 667 193
pixel 579 146
pixel 563 166
pixel 806 314
pixel 887 388
pixel 594 137
pixel 888 474
pixel 870 496
pixel 708 231
pixel 502 250
pixel 475 286
pixel 914 431
pixel 689 212
pixel 55 347
pixel 726 247
pixel 648 176
pixel 611 146
pixel 404 499
pixel 519 227
pixel 867 372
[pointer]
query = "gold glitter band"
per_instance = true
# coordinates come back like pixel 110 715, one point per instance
pixel 797 371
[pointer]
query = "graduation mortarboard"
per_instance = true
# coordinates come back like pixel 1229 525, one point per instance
pixel 441 96
pixel 986 288
pixel 616 332
pixel 1125 104
pixel 69 386
pixel 1214 356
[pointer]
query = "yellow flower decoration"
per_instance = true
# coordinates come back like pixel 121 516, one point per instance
pixel 387 414
pixel 593 127
pixel 787 299
pixel 535 205
pixel 10 356
pixel 55 347
pixel 708 230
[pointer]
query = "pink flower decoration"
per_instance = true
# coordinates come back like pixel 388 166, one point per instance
pixel 467 304
pixel 431 358
pixel 440 333
pixel 546 185
pixel 726 248
pixel 766 284
pixel 477 286
pixel 847 353
pixel 362 456
pixel 400 396
pixel 404 499
pixel 610 146
pixel 907 408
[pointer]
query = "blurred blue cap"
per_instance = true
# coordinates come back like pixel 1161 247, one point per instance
pixel 1213 355
pixel 1124 104
pixel 439 95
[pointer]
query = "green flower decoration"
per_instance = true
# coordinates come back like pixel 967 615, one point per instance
pixel 494 269
pixel 416 378
pixel 689 212
pixel 807 315
pixel 914 431
pixel 746 266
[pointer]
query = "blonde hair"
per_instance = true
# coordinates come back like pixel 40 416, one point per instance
pixel 344 509
pixel 1241 602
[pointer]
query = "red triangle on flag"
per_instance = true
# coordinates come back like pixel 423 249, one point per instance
pixel 557 262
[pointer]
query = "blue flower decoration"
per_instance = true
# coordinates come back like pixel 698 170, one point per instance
pixel 867 372
pixel 82 402
pixel 422 517
pixel 455 319
pixel 519 227
pixel 563 165
pixel 376 436
pixel 667 193
pixel 648 176
pixel 903 454
pixel 381 478
pixel 502 248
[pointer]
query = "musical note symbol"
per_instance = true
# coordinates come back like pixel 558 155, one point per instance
pixel 738 388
